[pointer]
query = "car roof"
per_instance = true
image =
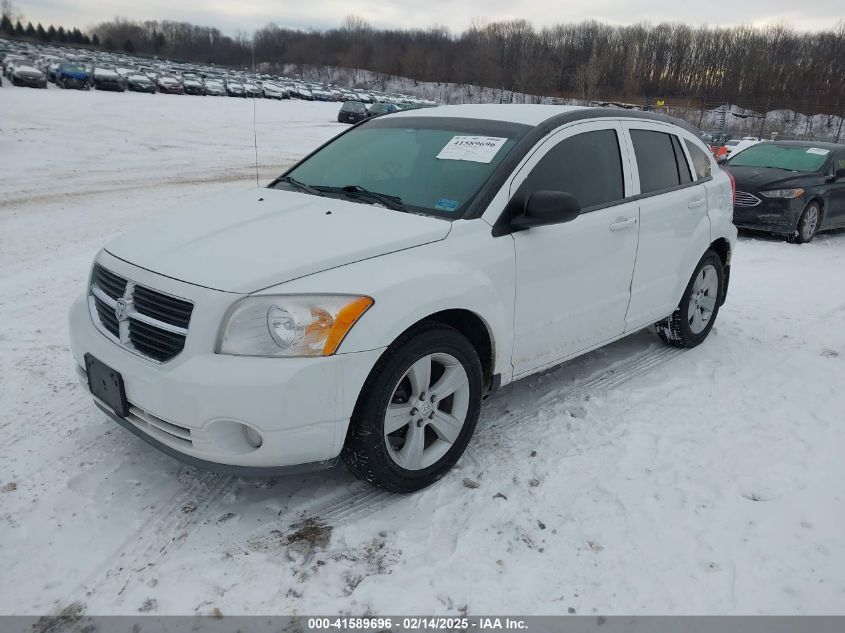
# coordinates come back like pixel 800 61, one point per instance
pixel 527 114
pixel 539 115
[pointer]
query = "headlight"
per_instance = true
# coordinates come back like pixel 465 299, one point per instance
pixel 290 325
pixel 783 193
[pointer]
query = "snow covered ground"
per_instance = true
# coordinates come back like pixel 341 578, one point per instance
pixel 638 479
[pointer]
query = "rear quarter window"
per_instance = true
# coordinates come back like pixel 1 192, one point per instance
pixel 700 161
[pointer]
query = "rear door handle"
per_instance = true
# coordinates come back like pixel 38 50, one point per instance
pixel 623 223
pixel 694 204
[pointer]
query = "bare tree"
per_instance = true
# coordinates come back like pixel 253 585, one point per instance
pixel 587 78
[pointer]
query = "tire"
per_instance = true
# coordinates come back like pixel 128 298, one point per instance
pixel 390 461
pixel 808 224
pixel 692 321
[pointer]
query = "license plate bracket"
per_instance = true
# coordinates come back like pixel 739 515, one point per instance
pixel 106 384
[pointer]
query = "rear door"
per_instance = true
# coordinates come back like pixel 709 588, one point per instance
pixel 674 227
pixel 573 280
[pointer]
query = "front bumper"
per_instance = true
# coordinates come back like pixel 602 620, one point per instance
pixel 30 82
pixel 195 406
pixel 78 83
pixel 108 85
pixel 773 215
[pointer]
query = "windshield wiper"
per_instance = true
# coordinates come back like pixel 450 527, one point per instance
pixel 300 185
pixel 357 191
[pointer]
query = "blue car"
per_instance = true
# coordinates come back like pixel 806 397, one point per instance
pixel 72 76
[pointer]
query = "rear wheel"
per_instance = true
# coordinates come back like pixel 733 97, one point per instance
pixel 690 324
pixel 808 225
pixel 417 410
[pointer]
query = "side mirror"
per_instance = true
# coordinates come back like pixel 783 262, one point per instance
pixel 547 207
pixel 722 161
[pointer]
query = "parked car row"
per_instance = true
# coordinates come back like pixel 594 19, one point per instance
pixel 36 66
pixel 356 111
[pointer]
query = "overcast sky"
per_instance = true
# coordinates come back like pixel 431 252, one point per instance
pixel 246 15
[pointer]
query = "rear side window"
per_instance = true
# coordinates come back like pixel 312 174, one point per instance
pixel 587 165
pixel 700 161
pixel 660 160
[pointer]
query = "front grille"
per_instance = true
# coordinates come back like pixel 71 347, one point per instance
pixel 154 342
pixel 108 282
pixel 153 324
pixel 107 316
pixel 161 307
pixel 745 199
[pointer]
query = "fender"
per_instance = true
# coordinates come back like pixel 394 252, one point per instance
pixel 698 245
pixel 467 270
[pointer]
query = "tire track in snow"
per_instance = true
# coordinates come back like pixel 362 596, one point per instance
pixel 171 523
pixel 366 500
pixel 604 380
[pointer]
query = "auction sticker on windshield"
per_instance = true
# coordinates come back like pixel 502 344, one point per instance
pixel 478 149
pixel 819 151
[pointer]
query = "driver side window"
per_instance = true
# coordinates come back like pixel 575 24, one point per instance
pixel 587 165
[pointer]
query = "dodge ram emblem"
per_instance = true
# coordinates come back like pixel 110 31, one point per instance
pixel 121 309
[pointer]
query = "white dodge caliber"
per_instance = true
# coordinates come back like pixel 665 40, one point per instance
pixel 364 303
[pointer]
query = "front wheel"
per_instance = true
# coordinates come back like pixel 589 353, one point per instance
pixel 690 324
pixel 808 225
pixel 417 411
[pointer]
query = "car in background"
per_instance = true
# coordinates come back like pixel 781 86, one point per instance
pixel 125 71
pixel 736 148
pixel 301 92
pixel 193 86
pixel 29 76
pixel 251 89
pixel 352 112
pixel 140 83
pixel 789 188
pixel 107 79
pixel 50 69
pixel 214 88
pixel 270 90
pixel 72 75
pixel 168 84
pixel 234 88
pixel 379 108
pixel 278 330
pixel 9 62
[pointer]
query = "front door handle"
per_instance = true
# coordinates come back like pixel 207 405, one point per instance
pixel 694 204
pixel 623 223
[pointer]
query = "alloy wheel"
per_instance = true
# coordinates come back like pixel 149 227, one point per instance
pixel 427 410
pixel 703 298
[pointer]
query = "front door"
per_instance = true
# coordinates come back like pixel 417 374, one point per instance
pixel 573 280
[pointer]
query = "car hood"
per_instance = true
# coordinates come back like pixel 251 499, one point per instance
pixel 250 240
pixel 26 71
pixel 767 177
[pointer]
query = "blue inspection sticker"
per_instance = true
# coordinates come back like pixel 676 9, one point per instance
pixel 444 204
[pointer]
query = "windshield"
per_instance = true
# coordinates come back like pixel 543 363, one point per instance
pixel 431 165
pixel 790 157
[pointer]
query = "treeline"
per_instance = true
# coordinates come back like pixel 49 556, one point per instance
pixel 753 67
pixel 39 33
